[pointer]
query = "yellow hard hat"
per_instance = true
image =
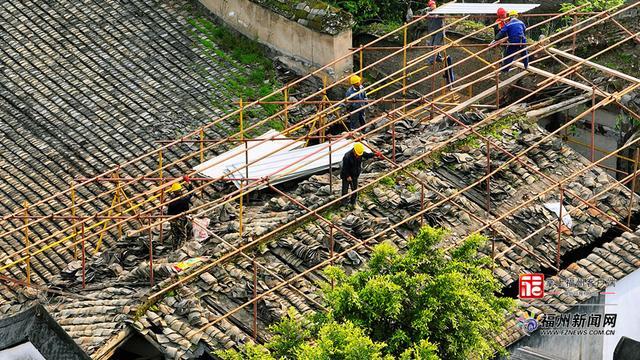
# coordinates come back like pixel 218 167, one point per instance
pixel 355 79
pixel 358 148
pixel 513 13
pixel 176 187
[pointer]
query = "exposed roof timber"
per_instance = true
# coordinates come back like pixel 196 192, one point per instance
pixel 602 68
pixel 561 79
pixel 476 8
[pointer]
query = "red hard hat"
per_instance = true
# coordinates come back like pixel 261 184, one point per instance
pixel 431 2
pixel 501 12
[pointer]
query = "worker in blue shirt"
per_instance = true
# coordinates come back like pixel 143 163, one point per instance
pixel 514 30
pixel 356 98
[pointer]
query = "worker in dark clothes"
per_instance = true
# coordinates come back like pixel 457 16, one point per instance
pixel 514 32
pixel 435 23
pixel 350 170
pixel 356 98
pixel 179 203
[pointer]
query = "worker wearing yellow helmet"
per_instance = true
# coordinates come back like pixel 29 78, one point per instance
pixel 355 98
pixel 350 170
pixel 179 203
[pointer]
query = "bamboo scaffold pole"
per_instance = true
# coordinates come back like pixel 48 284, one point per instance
pixel 230 115
pixel 425 56
pixel 252 127
pixel 225 257
pixel 328 261
pixel 81 184
pixel 417 41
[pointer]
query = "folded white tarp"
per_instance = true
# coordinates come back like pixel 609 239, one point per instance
pixel 285 166
pixel 478 8
pixel 216 167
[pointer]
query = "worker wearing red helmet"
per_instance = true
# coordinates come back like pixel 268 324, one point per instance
pixel 502 19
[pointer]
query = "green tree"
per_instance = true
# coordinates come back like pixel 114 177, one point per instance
pixel 591 5
pixel 292 340
pixel 368 11
pixel 403 299
pixel 419 305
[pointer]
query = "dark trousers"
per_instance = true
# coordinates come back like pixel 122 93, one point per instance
pixel 345 189
pixel 180 229
pixel 509 56
pixel 356 120
pixel 436 39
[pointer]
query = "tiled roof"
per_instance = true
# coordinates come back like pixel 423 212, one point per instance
pixel 176 319
pixel 112 76
pixel 87 84
pixel 230 285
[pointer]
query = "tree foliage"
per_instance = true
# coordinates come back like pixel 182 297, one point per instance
pixel 421 304
pixel 591 5
pixel 404 299
pixel 368 11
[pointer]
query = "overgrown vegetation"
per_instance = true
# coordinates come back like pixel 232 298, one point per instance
pixel 375 11
pixel 251 74
pixel 591 5
pixel 419 304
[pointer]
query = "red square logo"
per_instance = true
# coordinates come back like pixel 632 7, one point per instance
pixel 531 286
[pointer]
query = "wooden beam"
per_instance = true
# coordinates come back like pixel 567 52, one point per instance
pixel 112 344
pixel 561 106
pixel 561 79
pixel 602 68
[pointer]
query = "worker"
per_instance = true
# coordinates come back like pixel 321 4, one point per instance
pixel 350 170
pixel 501 20
pixel 514 30
pixel 179 203
pixel 356 98
pixel 435 24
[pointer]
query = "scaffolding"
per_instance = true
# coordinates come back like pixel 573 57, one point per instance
pixel 82 224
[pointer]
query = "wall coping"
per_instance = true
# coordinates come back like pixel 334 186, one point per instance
pixel 313 14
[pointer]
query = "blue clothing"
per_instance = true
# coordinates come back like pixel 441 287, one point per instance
pixel 514 30
pixel 353 93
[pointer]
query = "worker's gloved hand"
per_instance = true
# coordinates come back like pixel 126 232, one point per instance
pixel 378 154
pixel 186 178
pixel 492 44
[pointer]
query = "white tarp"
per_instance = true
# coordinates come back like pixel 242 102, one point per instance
pixel 285 166
pixel 24 351
pixel 566 218
pixel 477 8
pixel 237 155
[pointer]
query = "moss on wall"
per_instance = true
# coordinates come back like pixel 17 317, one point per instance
pixel 314 14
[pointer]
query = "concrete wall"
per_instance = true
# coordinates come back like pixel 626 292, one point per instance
pixel 301 48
